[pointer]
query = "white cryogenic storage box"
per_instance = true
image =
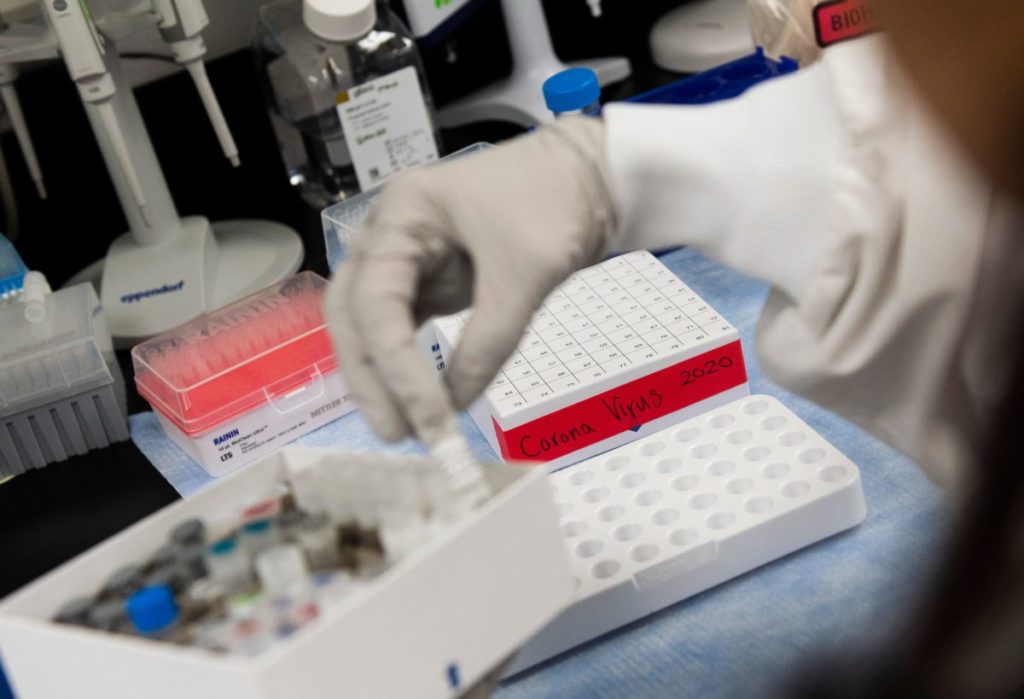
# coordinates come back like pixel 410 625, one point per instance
pixel 620 350
pixel 669 516
pixel 430 626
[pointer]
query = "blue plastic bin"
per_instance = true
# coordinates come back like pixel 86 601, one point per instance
pixel 725 81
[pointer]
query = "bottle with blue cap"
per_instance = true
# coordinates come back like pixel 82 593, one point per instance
pixel 154 613
pixel 573 91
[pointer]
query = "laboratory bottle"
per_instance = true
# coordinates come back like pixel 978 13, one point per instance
pixel 347 95
pixel 573 91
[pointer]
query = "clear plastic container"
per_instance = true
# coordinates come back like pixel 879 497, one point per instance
pixel 348 112
pixel 61 391
pixel 342 221
pixel 236 383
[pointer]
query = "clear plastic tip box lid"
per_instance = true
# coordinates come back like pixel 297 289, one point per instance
pixel 65 354
pixel 227 362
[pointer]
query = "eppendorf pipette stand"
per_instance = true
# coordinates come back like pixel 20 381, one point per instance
pixel 167 269
pixel 519 98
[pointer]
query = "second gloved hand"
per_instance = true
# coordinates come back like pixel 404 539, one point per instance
pixel 498 230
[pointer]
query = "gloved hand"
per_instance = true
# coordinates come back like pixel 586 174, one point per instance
pixel 498 230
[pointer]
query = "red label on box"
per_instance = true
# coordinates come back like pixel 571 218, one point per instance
pixel 842 20
pixel 624 407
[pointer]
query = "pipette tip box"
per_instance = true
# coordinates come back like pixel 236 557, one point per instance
pixel 237 383
pixel 430 626
pixel 683 510
pixel 61 390
pixel 620 350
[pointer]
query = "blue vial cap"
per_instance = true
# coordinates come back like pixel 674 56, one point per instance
pixel 572 89
pixel 223 547
pixel 12 269
pixel 257 526
pixel 152 609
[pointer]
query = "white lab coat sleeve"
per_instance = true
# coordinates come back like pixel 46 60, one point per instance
pixel 831 185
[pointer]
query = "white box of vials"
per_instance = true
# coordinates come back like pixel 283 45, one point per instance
pixel 429 627
pixel 669 516
pixel 620 350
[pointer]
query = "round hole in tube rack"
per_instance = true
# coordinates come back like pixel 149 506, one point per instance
pixel 758 453
pixel 605 569
pixel 833 473
pixel 610 513
pixel 581 477
pixel 573 528
pixel 595 494
pixel 791 439
pixel 617 463
pixel 643 553
pixel 739 485
pixel 703 451
pixel 811 456
pixel 589 549
pixel 755 407
pixel 632 480
pixel 647 498
pixel 683 537
pixel 721 468
pixel 687 434
pixel 773 422
pixel 738 436
pixel 652 448
pixel 627 532
pixel 795 489
pixel 703 501
pixel 687 482
pixel 668 465
pixel 758 505
pixel 721 520
pixel 665 517
pixel 776 470
pixel 721 421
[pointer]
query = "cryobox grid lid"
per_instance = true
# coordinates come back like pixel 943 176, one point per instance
pixel 609 323
pixel 259 350
pixel 68 352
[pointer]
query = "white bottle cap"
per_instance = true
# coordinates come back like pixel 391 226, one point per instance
pixel 339 20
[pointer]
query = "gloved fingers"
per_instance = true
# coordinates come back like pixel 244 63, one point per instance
pixel 355 361
pixel 384 294
pixel 445 288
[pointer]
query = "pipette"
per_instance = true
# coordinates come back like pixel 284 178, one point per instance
pixel 82 48
pixel 181 22
pixel 8 73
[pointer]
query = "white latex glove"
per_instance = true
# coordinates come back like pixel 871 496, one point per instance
pixel 498 230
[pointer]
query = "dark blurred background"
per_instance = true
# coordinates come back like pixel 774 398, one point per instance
pixel 75 225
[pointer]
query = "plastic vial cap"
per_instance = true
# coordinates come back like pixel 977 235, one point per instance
pixel 190 531
pixel 257 527
pixel 224 547
pixel 124 581
pixel 108 616
pixel 152 609
pixel 339 20
pixel 280 569
pixel 571 90
pixel 75 612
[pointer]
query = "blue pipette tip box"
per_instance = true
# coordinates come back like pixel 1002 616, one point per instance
pixel 725 81
pixel 12 270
